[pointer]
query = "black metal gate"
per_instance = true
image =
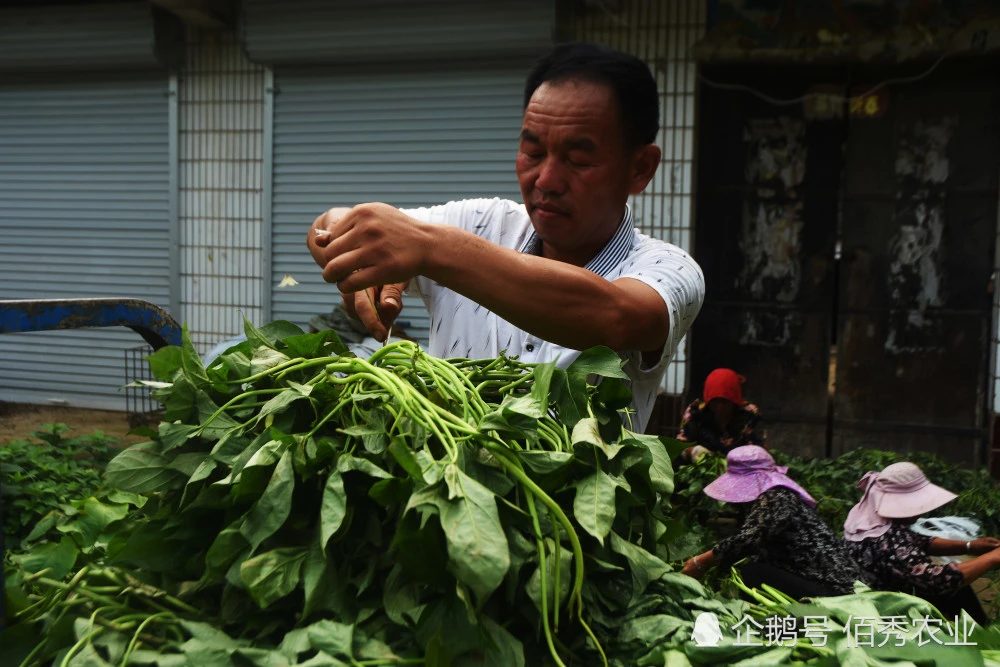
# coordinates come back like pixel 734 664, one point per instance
pixel 919 221
pixel 904 180
pixel 768 182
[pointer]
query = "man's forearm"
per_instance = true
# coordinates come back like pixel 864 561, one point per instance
pixel 558 302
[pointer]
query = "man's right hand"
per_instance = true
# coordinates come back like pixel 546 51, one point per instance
pixel 361 306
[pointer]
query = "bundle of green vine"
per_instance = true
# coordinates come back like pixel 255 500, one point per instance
pixel 302 505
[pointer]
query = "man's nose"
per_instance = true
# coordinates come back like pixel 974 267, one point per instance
pixel 551 176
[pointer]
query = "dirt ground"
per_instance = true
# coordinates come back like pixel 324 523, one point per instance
pixel 18 420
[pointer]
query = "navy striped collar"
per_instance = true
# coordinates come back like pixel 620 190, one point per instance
pixel 613 254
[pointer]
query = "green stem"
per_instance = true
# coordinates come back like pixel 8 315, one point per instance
pixel 228 404
pixel 83 641
pixel 138 631
pixel 513 466
pixel 543 576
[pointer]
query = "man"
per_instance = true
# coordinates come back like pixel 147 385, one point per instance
pixel 563 272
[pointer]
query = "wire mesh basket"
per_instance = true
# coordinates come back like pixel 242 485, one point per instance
pixel 140 407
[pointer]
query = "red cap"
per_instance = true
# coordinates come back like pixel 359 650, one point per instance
pixel 724 383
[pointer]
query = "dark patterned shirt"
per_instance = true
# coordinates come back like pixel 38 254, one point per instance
pixel 899 560
pixel 781 530
pixel 698 426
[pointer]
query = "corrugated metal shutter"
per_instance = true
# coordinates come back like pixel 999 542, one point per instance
pixel 83 213
pixel 339 31
pixel 409 136
pixel 92 36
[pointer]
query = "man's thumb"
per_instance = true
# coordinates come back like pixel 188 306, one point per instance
pixel 391 299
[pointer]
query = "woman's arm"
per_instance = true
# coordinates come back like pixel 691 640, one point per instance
pixel 699 565
pixel 942 547
pixel 977 567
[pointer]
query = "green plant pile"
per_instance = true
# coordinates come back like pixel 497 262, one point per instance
pixel 302 506
pixel 38 476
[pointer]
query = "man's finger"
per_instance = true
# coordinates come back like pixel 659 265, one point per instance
pixel 364 301
pixel 391 302
pixel 348 299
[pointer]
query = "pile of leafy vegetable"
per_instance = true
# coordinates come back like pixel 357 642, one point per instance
pixel 40 473
pixel 409 505
pixel 303 506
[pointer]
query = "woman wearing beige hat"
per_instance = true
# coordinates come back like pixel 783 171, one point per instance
pixel 897 559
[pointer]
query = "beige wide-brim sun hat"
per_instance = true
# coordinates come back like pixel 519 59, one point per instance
pixel 907 493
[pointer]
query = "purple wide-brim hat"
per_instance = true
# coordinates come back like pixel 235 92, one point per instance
pixel 750 472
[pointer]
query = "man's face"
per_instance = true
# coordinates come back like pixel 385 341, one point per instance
pixel 575 170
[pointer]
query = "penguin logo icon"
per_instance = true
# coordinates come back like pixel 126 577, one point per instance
pixel 706 630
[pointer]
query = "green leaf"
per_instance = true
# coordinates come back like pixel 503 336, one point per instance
pixel 645 566
pixel 321 344
pixel 93 518
pixel 399 597
pixel 294 643
pixel 334 508
pixel 280 402
pixel 165 363
pixel 661 470
pixel 535 404
pixel 405 458
pixel 188 463
pixel 594 504
pixel 332 638
pixel 502 648
pixel 534 586
pixel 274 574
pixel 176 435
pixel 272 509
pixel 602 361
pixel 124 497
pixel 266 358
pixel 544 463
pixel 214 424
pixel 225 549
pixel 477 547
pixel 237 359
pixel 347 463
pixel 179 401
pixel 60 556
pixel 142 469
pixel 587 432
pixel 194 370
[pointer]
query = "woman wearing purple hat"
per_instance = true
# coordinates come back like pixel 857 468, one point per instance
pixel 789 546
pixel 878 536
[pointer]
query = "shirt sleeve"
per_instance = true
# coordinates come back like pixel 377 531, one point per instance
pixel 686 426
pixel 771 510
pixel 678 280
pixel 909 561
pixel 752 434
pixel 482 217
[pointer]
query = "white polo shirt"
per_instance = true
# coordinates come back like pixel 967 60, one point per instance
pixel 462 328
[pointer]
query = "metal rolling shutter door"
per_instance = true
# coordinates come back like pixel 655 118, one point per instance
pixel 83 213
pixel 405 135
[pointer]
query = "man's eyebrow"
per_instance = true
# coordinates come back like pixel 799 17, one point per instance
pixel 528 136
pixel 581 144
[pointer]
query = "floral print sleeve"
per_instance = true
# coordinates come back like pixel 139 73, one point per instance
pixel 769 511
pixel 898 561
pixel 751 434
pixel 687 428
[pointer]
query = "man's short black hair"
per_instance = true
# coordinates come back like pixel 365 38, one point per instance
pixel 627 76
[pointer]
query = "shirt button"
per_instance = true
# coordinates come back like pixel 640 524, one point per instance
pixel 529 347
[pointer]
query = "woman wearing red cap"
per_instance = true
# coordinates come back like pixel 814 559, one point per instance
pixel 720 420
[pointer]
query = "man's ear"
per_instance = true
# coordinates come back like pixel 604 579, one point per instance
pixel 645 161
